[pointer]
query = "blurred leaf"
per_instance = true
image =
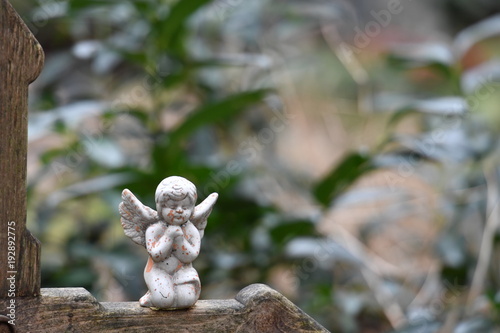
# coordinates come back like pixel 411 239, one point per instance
pixel 474 34
pixel 86 49
pixel 54 67
pixel 141 115
pixel 423 54
pixel 363 195
pixel 324 250
pixel 494 298
pixel 229 261
pixel 171 33
pixel 235 208
pixel 142 6
pixel 288 230
pixel 173 79
pixel 400 158
pixel 391 102
pixel 439 145
pixel 90 186
pixel 441 106
pixel 105 61
pixel 479 76
pixel 70 115
pixel 475 325
pixel 457 276
pixel 49 155
pixel 218 111
pixel 60 127
pixel 138 57
pixel 421 326
pixel 452 249
pixel 351 168
pixel 86 4
pixel 105 152
pixel 77 275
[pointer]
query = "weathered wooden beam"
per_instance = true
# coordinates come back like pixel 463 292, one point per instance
pixel 257 308
pixel 21 60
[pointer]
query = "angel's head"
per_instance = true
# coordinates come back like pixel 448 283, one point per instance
pixel 175 200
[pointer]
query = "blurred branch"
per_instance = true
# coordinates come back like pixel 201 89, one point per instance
pixel 492 224
pixel 352 65
pixel 384 297
pixel 86 187
pixel 372 274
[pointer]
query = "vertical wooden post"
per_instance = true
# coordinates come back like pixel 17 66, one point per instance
pixel 21 60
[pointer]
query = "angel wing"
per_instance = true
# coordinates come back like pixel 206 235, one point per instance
pixel 202 211
pixel 136 217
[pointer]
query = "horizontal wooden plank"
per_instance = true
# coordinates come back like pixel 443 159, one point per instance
pixel 257 308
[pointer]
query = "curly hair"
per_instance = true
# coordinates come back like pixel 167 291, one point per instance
pixel 175 188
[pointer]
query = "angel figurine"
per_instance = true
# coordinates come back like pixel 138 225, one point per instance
pixel 172 236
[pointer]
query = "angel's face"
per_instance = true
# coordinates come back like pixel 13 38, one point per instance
pixel 176 212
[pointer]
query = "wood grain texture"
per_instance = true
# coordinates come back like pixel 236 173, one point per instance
pixel 21 60
pixel 257 308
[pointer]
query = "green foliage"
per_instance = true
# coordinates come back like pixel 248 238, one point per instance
pixel 217 112
pixel 127 66
pixel 457 138
pixel 89 165
pixel 346 173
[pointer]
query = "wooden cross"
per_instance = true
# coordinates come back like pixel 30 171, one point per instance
pixel 24 307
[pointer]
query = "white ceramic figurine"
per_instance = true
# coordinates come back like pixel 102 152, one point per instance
pixel 172 236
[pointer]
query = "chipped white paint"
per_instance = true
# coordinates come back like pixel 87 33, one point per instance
pixel 172 236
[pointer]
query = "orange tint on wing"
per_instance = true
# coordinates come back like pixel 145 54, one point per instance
pixel 149 266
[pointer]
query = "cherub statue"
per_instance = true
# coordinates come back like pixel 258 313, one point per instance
pixel 172 236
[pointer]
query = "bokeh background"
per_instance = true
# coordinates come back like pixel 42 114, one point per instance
pixel 353 145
